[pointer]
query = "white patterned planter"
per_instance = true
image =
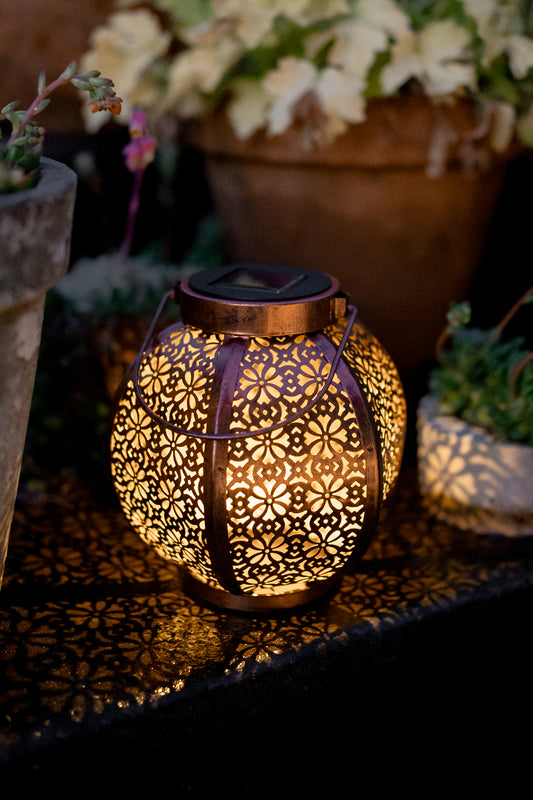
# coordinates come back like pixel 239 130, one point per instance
pixel 469 479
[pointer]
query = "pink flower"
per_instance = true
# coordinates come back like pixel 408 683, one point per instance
pixel 141 150
pixel 137 125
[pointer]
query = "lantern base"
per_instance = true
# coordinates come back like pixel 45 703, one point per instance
pixel 264 602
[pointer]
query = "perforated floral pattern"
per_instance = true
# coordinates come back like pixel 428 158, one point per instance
pixel 296 497
pixel 384 393
pixel 158 471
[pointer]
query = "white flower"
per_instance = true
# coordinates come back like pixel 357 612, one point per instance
pixel 352 35
pixel 124 48
pixel 385 15
pixel 293 78
pixel 305 12
pixel 250 21
pixel 357 40
pixel 482 11
pixel 503 124
pixel 248 106
pixel 355 47
pixel 339 96
pixel 520 50
pixel 196 72
pixel 499 27
pixel 433 55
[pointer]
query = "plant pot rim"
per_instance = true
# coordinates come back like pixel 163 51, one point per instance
pixel 35 228
pixel 451 425
pixel 471 480
pixel 397 132
pixel 54 178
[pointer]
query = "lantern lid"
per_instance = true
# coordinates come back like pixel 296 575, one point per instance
pixel 260 299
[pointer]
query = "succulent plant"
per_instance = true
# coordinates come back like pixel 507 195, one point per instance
pixel 485 377
pixel 21 154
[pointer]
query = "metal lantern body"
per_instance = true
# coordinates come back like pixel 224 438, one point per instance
pixel 255 441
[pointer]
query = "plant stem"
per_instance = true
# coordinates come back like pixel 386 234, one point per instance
pixel 497 331
pixel 31 110
pixel 513 375
pixel 133 209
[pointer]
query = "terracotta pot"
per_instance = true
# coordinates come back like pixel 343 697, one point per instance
pixel 35 231
pixel 363 209
pixel 469 479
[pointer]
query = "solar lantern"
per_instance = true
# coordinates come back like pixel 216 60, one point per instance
pixel 255 440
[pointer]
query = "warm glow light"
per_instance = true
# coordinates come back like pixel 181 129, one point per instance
pixel 471 480
pixel 272 514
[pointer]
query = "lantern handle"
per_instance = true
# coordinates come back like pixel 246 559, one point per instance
pixel 234 434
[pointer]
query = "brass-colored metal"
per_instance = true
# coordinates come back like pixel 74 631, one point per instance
pixel 227 365
pixel 258 603
pixel 255 442
pixel 242 318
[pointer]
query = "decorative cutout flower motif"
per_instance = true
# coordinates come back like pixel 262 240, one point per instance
pixel 258 645
pixel 138 433
pixel 312 375
pixel 327 495
pixel 134 479
pixel 372 376
pixel 155 374
pixel 170 497
pixel 261 383
pixel 270 447
pixel 267 550
pixel 326 437
pixel 190 390
pixel 324 543
pixel 142 522
pixel 173 447
pixel 270 499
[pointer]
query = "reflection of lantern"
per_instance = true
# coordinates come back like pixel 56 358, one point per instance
pixel 255 442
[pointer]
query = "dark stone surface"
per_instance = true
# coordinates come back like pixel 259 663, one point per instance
pixel 416 669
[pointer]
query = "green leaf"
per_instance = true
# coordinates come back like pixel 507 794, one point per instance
pixel 42 105
pixel 472 383
pixel 69 71
pixel 186 13
pixel 81 83
pixel 459 315
pixel 9 108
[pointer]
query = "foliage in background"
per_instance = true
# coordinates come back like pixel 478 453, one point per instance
pixel 107 287
pixel 69 422
pixel 486 379
pixel 270 62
